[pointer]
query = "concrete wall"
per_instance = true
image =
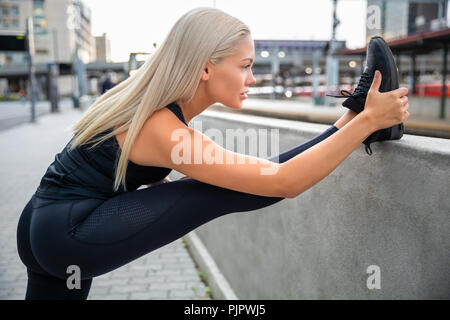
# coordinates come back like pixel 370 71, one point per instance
pixel 429 107
pixel 390 209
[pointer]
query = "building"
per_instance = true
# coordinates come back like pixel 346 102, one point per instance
pixel 60 26
pixel 57 28
pixel 103 48
pixel 12 21
pixel 418 34
pixel 291 67
pixel 402 18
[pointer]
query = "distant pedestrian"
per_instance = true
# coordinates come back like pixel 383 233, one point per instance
pixel 106 84
pixel 22 95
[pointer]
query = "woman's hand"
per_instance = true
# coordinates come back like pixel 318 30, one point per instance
pixel 385 109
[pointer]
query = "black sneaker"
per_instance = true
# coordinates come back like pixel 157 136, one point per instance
pixel 378 57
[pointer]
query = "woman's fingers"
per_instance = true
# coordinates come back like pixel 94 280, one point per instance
pixel 404 100
pixel 400 92
pixel 406 107
pixel 406 116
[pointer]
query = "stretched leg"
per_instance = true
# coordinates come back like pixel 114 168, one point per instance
pixel 99 236
pixel 285 156
pixel 134 223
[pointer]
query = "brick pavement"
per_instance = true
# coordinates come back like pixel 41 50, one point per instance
pixel 27 149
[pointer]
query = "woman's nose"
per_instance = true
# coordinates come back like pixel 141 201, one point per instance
pixel 251 80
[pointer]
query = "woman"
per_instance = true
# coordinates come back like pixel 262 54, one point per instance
pixel 87 210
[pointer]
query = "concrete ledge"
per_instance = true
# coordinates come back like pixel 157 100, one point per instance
pixel 217 282
pixel 389 210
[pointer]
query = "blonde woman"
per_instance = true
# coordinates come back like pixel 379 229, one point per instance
pixel 87 210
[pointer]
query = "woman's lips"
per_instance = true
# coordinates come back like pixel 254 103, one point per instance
pixel 244 95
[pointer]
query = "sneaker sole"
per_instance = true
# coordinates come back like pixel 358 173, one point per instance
pixel 393 80
pixel 396 131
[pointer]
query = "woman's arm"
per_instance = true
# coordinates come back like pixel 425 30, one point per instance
pixel 175 146
pixel 309 167
pixel 345 118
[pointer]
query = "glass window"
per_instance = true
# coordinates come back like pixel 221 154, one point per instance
pixel 38 10
pixel 5 22
pixel 15 10
pixel 5 10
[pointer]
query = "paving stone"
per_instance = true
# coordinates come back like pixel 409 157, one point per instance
pixel 148 279
pixel 167 286
pixel 129 288
pixel 110 282
pixel 181 293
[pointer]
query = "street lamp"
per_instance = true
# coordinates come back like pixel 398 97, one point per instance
pixel 265 54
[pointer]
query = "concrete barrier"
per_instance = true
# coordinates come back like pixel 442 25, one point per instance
pixel 377 227
pixel 428 107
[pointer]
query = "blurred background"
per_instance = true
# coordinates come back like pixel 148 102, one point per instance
pixel 303 50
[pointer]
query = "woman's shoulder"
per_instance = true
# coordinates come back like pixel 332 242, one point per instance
pixel 157 130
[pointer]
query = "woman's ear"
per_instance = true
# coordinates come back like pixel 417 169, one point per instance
pixel 206 73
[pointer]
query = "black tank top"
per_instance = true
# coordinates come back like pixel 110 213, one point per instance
pixel 83 173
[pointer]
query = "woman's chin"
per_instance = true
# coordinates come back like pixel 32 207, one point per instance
pixel 237 105
pixel 233 105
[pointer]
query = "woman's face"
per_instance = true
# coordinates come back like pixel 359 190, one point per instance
pixel 230 78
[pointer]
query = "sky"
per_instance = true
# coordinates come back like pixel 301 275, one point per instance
pixel 134 25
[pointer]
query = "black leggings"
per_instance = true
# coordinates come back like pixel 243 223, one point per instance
pixel 99 236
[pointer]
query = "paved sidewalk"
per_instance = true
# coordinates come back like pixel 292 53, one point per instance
pixel 27 150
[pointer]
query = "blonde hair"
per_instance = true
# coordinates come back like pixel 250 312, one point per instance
pixel 171 73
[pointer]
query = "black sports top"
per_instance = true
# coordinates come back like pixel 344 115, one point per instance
pixel 83 173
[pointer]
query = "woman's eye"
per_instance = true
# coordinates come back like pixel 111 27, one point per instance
pixel 245 67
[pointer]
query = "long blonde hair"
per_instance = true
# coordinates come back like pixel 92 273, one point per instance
pixel 171 73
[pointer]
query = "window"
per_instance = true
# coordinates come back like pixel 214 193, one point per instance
pixel 5 10
pixel 15 10
pixel 5 22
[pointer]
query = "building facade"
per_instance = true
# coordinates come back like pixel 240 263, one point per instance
pixel 103 48
pixel 402 18
pixel 59 26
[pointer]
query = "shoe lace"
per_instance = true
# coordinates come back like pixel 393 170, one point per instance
pixel 361 89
